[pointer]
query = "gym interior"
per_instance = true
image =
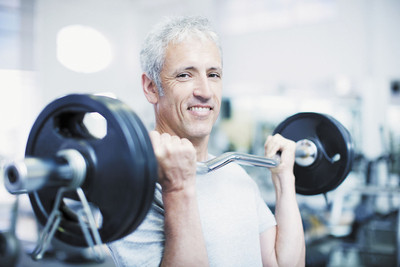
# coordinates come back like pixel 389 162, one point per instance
pixel 335 57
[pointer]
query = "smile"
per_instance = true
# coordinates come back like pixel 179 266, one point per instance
pixel 200 109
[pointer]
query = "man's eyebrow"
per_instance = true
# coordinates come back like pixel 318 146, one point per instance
pixel 219 69
pixel 177 71
pixel 184 69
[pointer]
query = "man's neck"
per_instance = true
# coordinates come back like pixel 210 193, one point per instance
pixel 201 148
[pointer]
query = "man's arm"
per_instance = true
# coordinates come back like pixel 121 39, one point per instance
pixel 184 244
pixel 284 244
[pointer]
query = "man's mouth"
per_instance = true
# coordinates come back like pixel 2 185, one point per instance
pixel 199 109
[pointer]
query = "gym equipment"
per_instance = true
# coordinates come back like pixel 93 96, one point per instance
pixel 324 153
pixel 65 164
pixel 331 151
pixel 9 244
pixel 73 175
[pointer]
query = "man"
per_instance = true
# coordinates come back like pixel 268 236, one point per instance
pixel 219 218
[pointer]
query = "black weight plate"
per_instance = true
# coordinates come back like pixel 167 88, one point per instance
pixel 150 168
pixel 122 169
pixel 328 134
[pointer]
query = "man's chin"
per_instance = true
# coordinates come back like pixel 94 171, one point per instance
pixel 199 133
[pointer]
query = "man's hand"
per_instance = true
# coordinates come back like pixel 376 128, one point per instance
pixel 278 146
pixel 176 159
pixel 184 241
pixel 285 242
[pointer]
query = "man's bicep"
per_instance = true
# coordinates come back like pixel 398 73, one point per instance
pixel 267 244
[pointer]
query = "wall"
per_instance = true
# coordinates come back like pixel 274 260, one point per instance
pixel 347 57
pixel 123 22
pixel 352 46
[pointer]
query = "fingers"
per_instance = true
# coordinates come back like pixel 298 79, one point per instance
pixel 278 143
pixel 165 143
pixel 285 148
pixel 155 138
pixel 176 159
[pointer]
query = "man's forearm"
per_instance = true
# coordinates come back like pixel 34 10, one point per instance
pixel 290 245
pixel 184 244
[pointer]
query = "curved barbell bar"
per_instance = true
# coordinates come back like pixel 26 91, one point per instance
pixel 32 174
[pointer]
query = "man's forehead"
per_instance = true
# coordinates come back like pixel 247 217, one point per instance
pixel 203 39
pixel 188 49
pixel 189 36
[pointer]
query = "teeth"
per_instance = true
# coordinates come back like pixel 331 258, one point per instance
pixel 199 109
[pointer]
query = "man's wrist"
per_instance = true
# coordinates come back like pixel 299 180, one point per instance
pixel 182 195
pixel 284 182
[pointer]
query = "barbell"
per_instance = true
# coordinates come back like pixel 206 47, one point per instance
pixel 114 175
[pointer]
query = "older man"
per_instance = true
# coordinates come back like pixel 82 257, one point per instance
pixel 219 218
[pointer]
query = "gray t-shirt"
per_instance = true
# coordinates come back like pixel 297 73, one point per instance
pixel 232 214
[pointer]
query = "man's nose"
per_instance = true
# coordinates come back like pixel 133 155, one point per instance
pixel 202 88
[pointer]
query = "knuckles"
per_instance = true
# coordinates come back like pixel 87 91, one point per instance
pixel 170 149
pixel 176 159
pixel 279 141
pixel 277 144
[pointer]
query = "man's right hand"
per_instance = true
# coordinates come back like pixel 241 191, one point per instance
pixel 176 159
pixel 184 240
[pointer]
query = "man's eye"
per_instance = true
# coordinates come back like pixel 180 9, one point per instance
pixel 183 75
pixel 214 75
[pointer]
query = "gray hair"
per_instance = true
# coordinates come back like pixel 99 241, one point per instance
pixel 172 29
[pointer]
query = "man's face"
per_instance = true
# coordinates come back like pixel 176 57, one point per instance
pixel 192 81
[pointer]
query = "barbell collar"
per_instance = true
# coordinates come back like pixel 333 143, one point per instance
pixel 306 152
pixel 68 169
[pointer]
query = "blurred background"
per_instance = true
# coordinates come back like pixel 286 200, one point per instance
pixel 338 57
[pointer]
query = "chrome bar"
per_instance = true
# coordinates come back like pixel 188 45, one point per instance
pixel 306 154
pixel 68 169
pixel 241 158
pixel 31 174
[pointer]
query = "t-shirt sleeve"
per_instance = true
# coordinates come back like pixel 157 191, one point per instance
pixel 265 215
pixel 144 246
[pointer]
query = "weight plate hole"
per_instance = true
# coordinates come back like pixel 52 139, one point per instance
pixel 81 125
pixel 95 124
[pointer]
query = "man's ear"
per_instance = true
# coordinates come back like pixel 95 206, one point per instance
pixel 150 89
